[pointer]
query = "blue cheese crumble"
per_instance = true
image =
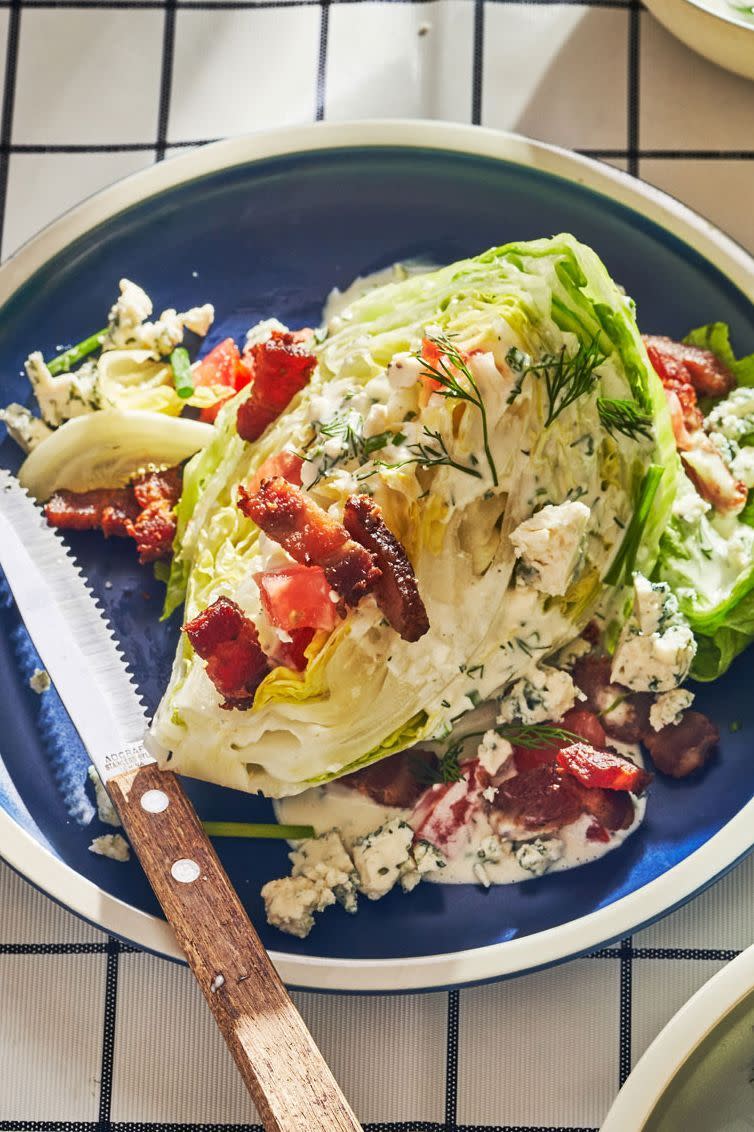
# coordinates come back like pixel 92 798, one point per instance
pixel 324 871
pixel 325 859
pixel 669 707
pixel 380 857
pixel 544 696
pixel 656 647
pixel 106 811
pixel 549 545
pixel 111 845
pixel 538 855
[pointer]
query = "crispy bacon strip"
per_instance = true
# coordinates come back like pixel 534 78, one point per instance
pixel 225 637
pixel 712 477
pixel 391 781
pixel 281 367
pixel 396 592
pixel 685 371
pixel 623 714
pixel 156 493
pixel 545 799
pixel 701 369
pixel 311 536
pixel 107 509
pixel 143 511
pixel 681 748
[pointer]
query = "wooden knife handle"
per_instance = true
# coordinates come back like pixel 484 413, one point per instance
pixel 288 1079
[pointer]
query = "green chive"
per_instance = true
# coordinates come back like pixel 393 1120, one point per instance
pixel 625 559
pixel 64 362
pixel 183 379
pixel 734 726
pixel 254 829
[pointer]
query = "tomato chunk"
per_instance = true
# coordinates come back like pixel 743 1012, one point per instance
pixel 297 597
pixel 580 722
pixel 222 366
pixel 285 464
pixel 602 769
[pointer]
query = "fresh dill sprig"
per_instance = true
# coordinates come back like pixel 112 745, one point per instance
pixel 451 365
pixel 534 736
pixel 353 444
pixel 446 769
pixel 566 376
pixel 624 561
pixel 618 415
pixel 432 452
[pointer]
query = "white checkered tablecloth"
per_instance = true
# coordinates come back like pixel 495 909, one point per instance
pixel 95 1035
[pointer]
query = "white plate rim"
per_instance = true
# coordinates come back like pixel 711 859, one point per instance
pixel 676 1042
pixel 722 14
pixel 512 957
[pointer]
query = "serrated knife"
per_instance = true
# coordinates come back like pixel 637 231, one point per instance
pixel 289 1081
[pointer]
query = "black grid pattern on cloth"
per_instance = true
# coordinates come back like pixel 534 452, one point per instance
pixel 631 153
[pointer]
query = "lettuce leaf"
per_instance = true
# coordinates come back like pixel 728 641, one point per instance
pixel 716 337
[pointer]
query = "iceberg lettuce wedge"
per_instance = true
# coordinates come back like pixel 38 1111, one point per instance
pixel 548 337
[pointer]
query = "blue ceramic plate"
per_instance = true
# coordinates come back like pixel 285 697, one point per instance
pixel 268 225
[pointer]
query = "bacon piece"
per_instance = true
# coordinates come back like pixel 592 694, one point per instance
pixel 107 509
pixel 624 715
pixel 541 800
pixel 396 592
pixel 292 654
pixel 153 529
pixel 225 637
pixel 391 781
pixel 311 536
pixel 545 799
pixel 681 748
pixel 611 810
pixel 702 369
pixel 143 511
pixel 712 477
pixel 281 366
pixel 602 769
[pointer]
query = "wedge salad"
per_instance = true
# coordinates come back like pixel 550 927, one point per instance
pixel 446 562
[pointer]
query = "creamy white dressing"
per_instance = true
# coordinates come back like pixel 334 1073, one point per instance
pixel 335 806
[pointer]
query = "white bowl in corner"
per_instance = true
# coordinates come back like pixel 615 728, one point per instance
pixel 698 1074
pixel 721 30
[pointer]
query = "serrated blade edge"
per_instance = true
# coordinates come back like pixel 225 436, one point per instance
pixel 71 634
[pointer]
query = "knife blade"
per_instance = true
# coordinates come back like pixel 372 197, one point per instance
pixel 71 635
pixel 285 1073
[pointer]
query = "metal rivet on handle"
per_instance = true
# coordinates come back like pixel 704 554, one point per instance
pixel 154 801
pixel 185 870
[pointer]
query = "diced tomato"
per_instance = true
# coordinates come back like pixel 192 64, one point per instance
pixel 222 366
pixel 585 724
pixel 292 654
pixel 580 722
pixel 297 597
pixel 285 464
pixel 431 353
pixel 602 769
